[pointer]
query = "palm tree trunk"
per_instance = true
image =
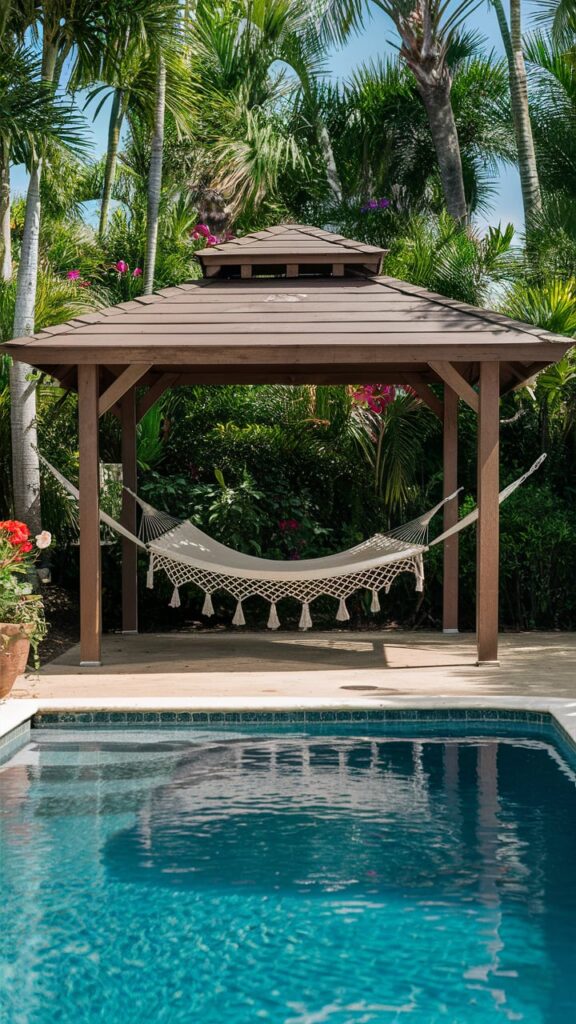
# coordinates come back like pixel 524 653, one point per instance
pixel 114 129
pixel 155 180
pixel 5 233
pixel 25 463
pixel 329 161
pixel 531 196
pixel 436 99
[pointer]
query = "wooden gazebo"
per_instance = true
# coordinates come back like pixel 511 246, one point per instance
pixel 291 304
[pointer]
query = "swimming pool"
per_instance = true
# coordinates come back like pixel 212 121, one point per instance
pixel 298 875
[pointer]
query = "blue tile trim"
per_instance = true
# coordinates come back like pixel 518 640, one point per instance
pixel 12 741
pixel 389 716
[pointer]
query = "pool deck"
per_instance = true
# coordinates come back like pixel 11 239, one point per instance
pixel 322 666
pixel 293 671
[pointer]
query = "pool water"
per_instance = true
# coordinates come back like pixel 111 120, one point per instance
pixel 312 877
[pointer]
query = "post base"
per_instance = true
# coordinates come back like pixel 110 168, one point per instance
pixel 90 664
pixel 450 632
pixel 129 632
pixel 488 664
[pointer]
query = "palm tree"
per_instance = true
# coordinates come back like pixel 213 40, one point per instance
pixel 426 29
pixel 512 39
pixel 155 179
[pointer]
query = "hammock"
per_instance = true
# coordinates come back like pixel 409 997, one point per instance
pixel 187 555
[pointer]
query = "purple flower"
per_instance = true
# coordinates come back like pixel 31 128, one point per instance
pixel 73 275
pixel 373 204
pixel 121 267
pixel 383 203
pixel 137 272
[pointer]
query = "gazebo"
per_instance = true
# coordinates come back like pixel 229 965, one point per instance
pixel 290 304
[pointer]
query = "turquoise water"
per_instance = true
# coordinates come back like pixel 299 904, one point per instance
pixel 293 878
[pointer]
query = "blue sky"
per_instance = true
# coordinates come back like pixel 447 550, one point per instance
pixel 376 40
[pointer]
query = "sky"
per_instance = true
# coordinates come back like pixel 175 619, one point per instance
pixel 374 41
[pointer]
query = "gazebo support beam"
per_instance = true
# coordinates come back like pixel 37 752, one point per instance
pixel 156 390
pixel 130 376
pixel 128 518
pixel 488 515
pixel 89 473
pixel 451 376
pixel 450 453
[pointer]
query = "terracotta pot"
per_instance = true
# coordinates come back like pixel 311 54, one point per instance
pixel 14 650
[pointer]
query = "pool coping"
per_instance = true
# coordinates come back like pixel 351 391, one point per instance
pixel 17 715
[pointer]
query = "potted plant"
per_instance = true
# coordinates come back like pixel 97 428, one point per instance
pixel 22 624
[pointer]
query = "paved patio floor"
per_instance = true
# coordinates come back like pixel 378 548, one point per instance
pixel 334 665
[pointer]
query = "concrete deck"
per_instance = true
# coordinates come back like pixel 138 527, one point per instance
pixel 314 666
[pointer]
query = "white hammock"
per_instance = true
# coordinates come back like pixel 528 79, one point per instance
pixel 187 555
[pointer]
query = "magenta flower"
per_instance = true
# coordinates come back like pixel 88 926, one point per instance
pixel 211 240
pixel 121 267
pixel 137 272
pixel 201 231
pixel 73 275
pixel 375 396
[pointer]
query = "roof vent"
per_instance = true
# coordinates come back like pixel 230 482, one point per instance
pixel 291 250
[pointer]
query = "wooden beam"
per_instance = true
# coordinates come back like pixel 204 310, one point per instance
pixel 121 385
pixel 292 269
pixel 450 452
pixel 451 376
pixel 246 271
pixel 90 570
pixel 128 518
pixel 167 380
pixel 426 395
pixel 488 515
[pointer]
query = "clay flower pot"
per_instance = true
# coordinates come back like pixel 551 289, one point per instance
pixel 14 650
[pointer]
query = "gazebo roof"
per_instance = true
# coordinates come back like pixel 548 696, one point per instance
pixel 331 323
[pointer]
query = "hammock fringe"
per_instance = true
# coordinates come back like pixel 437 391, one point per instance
pixel 273 620
pixel 305 617
pixel 342 615
pixel 208 607
pixel 239 619
pixel 175 599
pixel 375 605
pixel 150 573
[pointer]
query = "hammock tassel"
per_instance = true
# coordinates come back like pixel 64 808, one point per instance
pixel 150 573
pixel 387 588
pixel 305 618
pixel 375 606
pixel 239 619
pixel 208 607
pixel 419 574
pixel 342 615
pixel 273 620
pixel 175 599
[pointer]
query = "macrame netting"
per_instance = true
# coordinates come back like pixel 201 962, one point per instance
pixel 187 555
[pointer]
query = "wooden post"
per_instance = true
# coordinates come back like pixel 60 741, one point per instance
pixel 90 571
pixel 450 576
pixel 128 519
pixel 487 563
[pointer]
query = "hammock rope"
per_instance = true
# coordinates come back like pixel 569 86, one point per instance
pixel 187 555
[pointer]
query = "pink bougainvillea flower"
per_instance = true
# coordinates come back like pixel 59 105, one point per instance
pixel 292 524
pixel 196 235
pixel 137 272
pixel 73 275
pixel 211 240
pixel 44 539
pixel 201 230
pixel 375 396
pixel 121 266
